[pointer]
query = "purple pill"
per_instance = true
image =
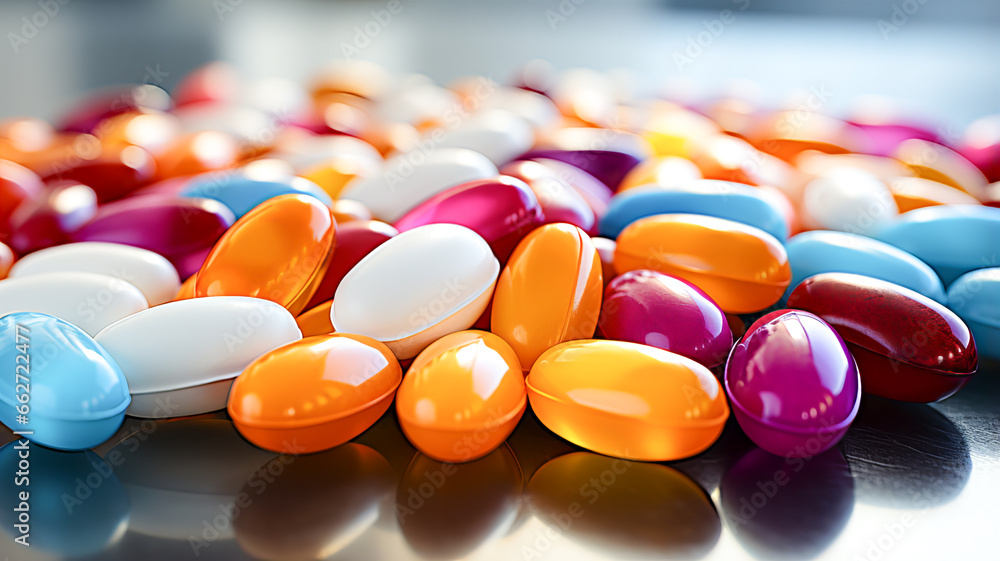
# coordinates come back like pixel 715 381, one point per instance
pixel 794 387
pixel 608 166
pixel 662 311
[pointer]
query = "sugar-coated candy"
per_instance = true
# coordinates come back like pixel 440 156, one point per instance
pixel 462 396
pixel 811 253
pixel 76 395
pixel 952 239
pixel 627 400
pixel 153 275
pixel 549 291
pixel 744 269
pixel 279 251
pixel 314 394
pixel 793 385
pixel 975 297
pixel 90 301
pixel 907 346
pixel 180 358
pixel 665 312
pixel 417 287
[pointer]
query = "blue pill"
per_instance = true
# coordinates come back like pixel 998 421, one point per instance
pixel 241 193
pixel 62 389
pixel 721 199
pixel 952 239
pixel 975 297
pixel 812 253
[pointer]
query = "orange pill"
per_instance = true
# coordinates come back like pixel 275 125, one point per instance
pixel 667 172
pixel 549 291
pixel 462 396
pixel 742 268
pixel 315 393
pixel 198 153
pixel 911 193
pixel 278 251
pixel 627 400
pixel 316 320
pixel 187 288
pixel 936 162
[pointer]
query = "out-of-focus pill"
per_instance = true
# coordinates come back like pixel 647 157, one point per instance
pixel 78 394
pixel 729 158
pixel 975 297
pixel 559 201
pixel 252 128
pixel 410 178
pixel 112 172
pixel 49 220
pixel 462 396
pixel 722 199
pixel 538 110
pixel 952 239
pixel 882 137
pixel 6 260
pixel 196 153
pixel 502 210
pixel 180 358
pixel 90 301
pixel 549 291
pixel 316 320
pixel 346 210
pixel 785 134
pixel 673 130
pixel 89 112
pixel 595 192
pixel 916 192
pixel 417 287
pixel 153 132
pixel 355 240
pixel 316 393
pixel 661 311
pixel 811 253
pixel 606 252
pixel 627 400
pixel 215 81
pixel 148 271
pixel 181 229
pixel 18 184
pixel 498 134
pixel 242 193
pixel 937 162
pixel 665 172
pixel 792 381
pixel 981 145
pixel 907 346
pixel 742 268
pixel 278 251
pixel 609 166
pixel 849 200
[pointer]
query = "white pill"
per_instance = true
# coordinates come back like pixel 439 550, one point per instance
pixel 498 134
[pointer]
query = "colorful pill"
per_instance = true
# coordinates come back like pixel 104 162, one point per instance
pixel 355 240
pixel 112 172
pixel 916 192
pixel 316 321
pixel 49 220
pixel 627 400
pixel 18 185
pixel 498 134
pixel 937 162
pixel 849 200
pixel 243 192
pixel 793 384
pixel 975 297
pixel 559 201
pixel 742 268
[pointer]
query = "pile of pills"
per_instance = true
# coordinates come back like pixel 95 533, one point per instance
pixel 631 270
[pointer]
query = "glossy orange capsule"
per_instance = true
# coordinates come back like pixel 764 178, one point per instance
pixel 742 268
pixel 549 291
pixel 278 251
pixel 936 162
pixel 198 153
pixel 316 320
pixel 627 400
pixel 187 288
pixel 462 396
pixel 315 393
pixel 911 193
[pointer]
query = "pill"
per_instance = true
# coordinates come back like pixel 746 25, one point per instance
pixel 181 229
pixel 151 131
pixel 355 240
pixel 907 346
pixel 742 268
pixel 279 251
pixel 916 192
pixel 90 111
pixel 627 400
pixel 90 301
pixel 152 274
pixel 785 134
pixel 252 128
pixel 462 396
pixel 606 251
pixel 849 200
pixel 646 510
pixel 198 152
pixel 186 290
pixel 317 393
pixel 502 210
pixel 937 162
pixel 214 81
pixel 76 393
pixel 596 193
pixel 241 193
pixel 665 312
pixel 952 239
pixel 721 199
pixel 975 297
pixel 417 287
pixel 6 260
pixel 498 134
pixel 346 210
pixel 664 172
pixel 181 357
pixel 18 185
pixel 608 166
pixel 811 253
pixel 111 172
pixel 549 291
pixel 409 178
pixel 559 201
pixel 981 145
pixel 62 522
pixel 792 384
pixel 316 320
pixel 673 130
pixel 49 220
pixel 882 136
